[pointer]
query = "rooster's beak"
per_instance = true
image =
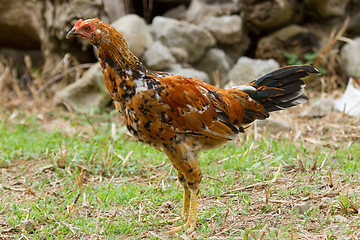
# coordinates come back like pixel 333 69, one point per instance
pixel 72 34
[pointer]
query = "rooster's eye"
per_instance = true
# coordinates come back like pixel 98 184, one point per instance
pixel 86 28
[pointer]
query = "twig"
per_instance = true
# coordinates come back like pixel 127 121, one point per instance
pixel 226 214
pixel 216 179
pixel 301 166
pixel 69 227
pixel 267 194
pixel 59 76
pixel 330 180
pixel 248 186
pixel 323 162
pixel 276 174
pixel 333 38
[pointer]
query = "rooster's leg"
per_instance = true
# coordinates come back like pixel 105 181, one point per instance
pixel 191 221
pixel 186 197
pixel 186 201
pixel 183 156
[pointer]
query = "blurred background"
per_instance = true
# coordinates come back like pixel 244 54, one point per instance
pixel 223 42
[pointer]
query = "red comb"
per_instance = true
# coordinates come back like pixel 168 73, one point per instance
pixel 78 22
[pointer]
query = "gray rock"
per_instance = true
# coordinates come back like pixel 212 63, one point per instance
pixel 247 69
pixel 354 25
pixel 319 108
pixel 135 32
pixel 350 57
pixel 215 62
pixel 327 8
pixel 264 16
pixel 301 208
pixel 28 226
pixel 173 33
pixel 178 12
pixel 199 9
pixel 235 51
pixel 158 57
pixel 292 39
pixel 16 29
pixel 273 126
pixel 86 93
pixel 114 9
pixel 226 29
pixel 180 54
pixel 177 69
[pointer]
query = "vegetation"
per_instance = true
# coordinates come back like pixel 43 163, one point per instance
pixel 69 176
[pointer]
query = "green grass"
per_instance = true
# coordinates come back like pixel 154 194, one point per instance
pixel 124 199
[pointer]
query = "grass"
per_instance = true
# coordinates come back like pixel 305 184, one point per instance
pixel 69 176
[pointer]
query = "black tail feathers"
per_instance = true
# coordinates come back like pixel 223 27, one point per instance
pixel 282 88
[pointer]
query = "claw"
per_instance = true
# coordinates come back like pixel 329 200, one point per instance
pixel 172 221
pixel 190 226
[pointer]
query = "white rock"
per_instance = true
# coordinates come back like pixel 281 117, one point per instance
pixel 199 9
pixel 177 69
pixel 86 93
pixel 158 57
pixel 273 126
pixel 247 69
pixel 173 33
pixel 301 208
pixel 320 108
pixel 349 102
pixel 350 57
pixel 215 60
pixel 226 29
pixel 180 54
pixel 135 32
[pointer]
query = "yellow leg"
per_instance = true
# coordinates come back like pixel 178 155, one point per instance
pixel 191 221
pixel 186 203
pixel 185 210
pixel 183 156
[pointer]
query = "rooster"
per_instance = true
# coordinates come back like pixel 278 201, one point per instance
pixel 182 116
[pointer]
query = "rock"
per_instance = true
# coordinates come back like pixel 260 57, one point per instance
pixel 260 16
pixel 199 9
pixel 179 54
pixel 158 57
pixel 292 39
pixel 319 108
pixel 178 12
pixel 15 29
pixel 114 9
pixel 354 25
pixel 58 18
pixel 28 226
pixel 247 69
pixel 327 8
pixel 86 93
pixel 349 102
pixel 350 57
pixel 215 60
pixel 135 32
pixel 273 126
pixel 226 29
pixel 177 69
pixel 235 51
pixel 173 33
pixel 301 208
